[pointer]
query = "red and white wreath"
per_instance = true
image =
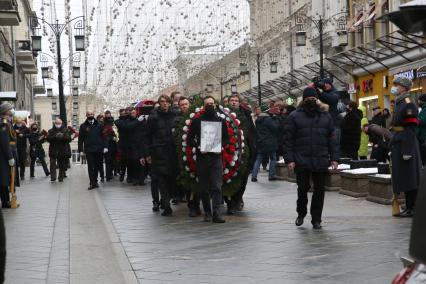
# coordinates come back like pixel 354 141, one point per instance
pixel 231 153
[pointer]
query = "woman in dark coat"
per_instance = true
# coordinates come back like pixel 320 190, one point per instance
pixel 351 132
pixel 36 139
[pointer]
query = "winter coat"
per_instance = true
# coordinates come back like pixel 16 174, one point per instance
pixel 363 147
pixel 405 173
pixel 108 134
pixel 126 126
pixel 21 135
pixel 245 117
pixel 350 139
pixel 267 129
pixel 418 229
pixel 138 141
pixel 311 142
pixel 160 144
pixel 331 98
pixel 59 140
pixel 36 140
pixel 90 138
pixel 379 119
pixel 5 155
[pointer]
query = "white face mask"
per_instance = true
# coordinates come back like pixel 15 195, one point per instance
pixel 58 125
pixel 394 90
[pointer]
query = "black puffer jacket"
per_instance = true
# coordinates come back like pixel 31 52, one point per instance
pixel 267 129
pixel 160 143
pixel 59 139
pixel 310 142
pixel 351 131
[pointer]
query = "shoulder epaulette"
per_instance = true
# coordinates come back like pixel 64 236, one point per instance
pixel 407 100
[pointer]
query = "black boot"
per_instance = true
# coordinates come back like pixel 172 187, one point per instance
pixel 155 206
pixel 217 218
pixel 167 212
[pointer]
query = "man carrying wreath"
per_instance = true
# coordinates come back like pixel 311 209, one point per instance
pixel 209 134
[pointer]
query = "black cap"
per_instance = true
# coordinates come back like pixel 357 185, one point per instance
pixel 309 93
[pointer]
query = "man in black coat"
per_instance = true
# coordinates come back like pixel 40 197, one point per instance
pixel 351 132
pixel 36 139
pixel 21 145
pixel 311 147
pixel 406 160
pixel 160 151
pixel 59 138
pixel 91 144
pixel 268 127
pixel 209 163
pixel 7 159
pixel 378 117
pixel 110 138
pixel 247 125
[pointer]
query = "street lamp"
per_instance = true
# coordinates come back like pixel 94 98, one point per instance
pixel 319 24
pixel 58 30
pixel 49 92
pixel 36 43
pixel 209 88
pixel 76 72
pixel 75 91
pixel 234 89
pixel 45 72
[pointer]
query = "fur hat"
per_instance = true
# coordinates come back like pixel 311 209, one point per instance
pixel 5 107
pixel 404 82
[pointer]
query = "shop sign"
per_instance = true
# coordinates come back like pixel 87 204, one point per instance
pixel 421 74
pixel 410 74
pixel 352 89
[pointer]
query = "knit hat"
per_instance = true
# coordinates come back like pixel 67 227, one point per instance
pixel 403 82
pixel 309 93
pixel 5 107
pixel 422 98
pixel 328 81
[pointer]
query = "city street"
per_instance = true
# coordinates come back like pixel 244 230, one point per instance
pixel 63 233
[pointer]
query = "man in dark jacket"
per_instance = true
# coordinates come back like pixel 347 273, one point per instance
pixel 406 161
pixel 91 144
pixel 268 127
pixel 59 138
pixel 209 161
pixel 36 139
pixel 7 159
pixel 378 117
pixel 310 149
pixel 351 132
pixel 247 125
pixel 123 143
pixel 110 138
pixel 161 151
pixel 21 145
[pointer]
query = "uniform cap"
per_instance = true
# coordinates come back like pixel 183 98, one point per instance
pixel 5 107
pixel 404 82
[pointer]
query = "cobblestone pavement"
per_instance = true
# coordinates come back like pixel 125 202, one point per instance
pixel 359 243
pixel 47 242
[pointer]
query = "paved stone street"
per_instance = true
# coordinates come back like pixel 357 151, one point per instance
pixel 63 233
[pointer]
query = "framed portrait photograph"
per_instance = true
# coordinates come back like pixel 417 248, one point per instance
pixel 211 137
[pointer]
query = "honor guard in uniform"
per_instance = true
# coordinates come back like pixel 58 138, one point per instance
pixel 6 156
pixel 406 162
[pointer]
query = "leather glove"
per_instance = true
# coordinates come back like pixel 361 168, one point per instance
pixel 12 162
pixel 105 150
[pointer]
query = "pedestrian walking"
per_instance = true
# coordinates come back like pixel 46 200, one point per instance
pixel 100 120
pixel 7 160
pixel 405 154
pixel 311 147
pixel 110 138
pixel 267 132
pixel 161 152
pixel 204 132
pixel 21 131
pixel 59 138
pixel 93 146
pixel 351 132
pixel 36 139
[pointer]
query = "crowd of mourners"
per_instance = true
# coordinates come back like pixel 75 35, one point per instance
pixel 310 138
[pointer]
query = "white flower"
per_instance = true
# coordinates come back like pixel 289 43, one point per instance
pixel 228 181
pixel 196 179
pixel 242 136
pixel 183 149
pixel 188 122
pixel 192 175
pixel 228 119
pixel 192 115
pixel 184 158
pixel 226 171
pixel 187 169
pixel 197 109
pixel 233 115
pixel 184 137
pixel 235 158
pixel 242 145
pixel 194 150
pixel 184 144
pixel 227 110
pixel 194 157
pixel 222 116
pixel 235 174
pixel 232 163
pixel 242 132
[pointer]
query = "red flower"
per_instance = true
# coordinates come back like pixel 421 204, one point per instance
pixel 233 140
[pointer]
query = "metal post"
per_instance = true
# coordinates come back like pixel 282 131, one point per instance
pixel 320 28
pixel 12 34
pixel 259 91
pixel 221 89
pixel 62 109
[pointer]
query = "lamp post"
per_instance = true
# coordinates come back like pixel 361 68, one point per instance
pixel 319 24
pixel 57 29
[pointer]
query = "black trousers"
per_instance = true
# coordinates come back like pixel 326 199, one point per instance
pixel 60 163
pixel 410 199
pixel 303 185
pixel 94 165
pixel 155 193
pixel 165 187
pixel 209 170
pixel 125 158
pixel 43 164
pixel 108 157
pixel 22 157
pixel 4 195
pixel 380 154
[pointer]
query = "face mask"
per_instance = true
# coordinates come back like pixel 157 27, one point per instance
pixel 58 125
pixel 18 124
pixel 209 109
pixel 311 105
pixel 394 91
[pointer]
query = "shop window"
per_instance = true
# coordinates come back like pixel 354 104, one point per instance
pixel 369 103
